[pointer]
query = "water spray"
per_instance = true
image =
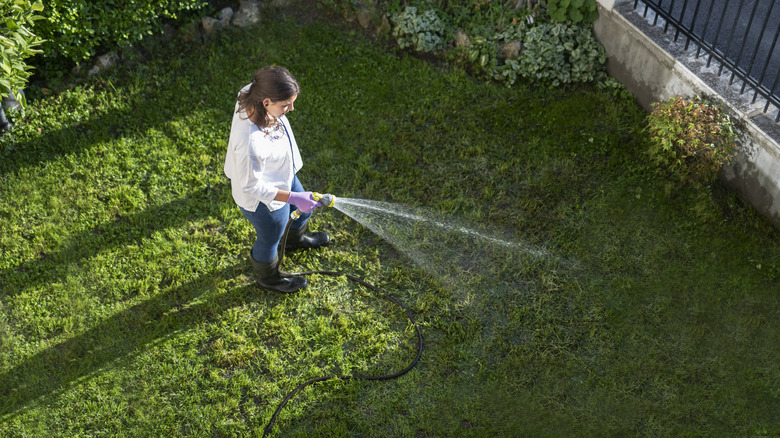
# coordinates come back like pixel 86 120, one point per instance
pixel 328 200
pixel 448 249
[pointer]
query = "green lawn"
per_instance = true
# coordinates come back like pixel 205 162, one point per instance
pixel 128 307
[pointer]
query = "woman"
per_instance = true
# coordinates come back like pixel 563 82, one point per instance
pixel 262 160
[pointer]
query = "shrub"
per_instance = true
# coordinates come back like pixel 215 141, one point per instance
pixel 75 29
pixel 575 11
pixel 562 53
pixel 691 140
pixel 553 54
pixel 17 42
pixel 482 55
pixel 556 54
pixel 490 24
pixel 424 31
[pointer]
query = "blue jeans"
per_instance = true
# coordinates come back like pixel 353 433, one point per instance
pixel 270 225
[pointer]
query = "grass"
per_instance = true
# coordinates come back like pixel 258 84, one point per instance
pixel 128 307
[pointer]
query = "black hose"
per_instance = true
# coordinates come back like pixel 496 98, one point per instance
pixel 289 396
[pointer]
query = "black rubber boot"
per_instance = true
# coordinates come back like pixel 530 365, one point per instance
pixel 268 277
pixel 301 239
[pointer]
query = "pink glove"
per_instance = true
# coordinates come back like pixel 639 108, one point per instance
pixel 303 201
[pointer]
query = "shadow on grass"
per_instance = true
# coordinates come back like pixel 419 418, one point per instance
pixel 54 143
pixel 163 94
pixel 122 230
pixel 127 333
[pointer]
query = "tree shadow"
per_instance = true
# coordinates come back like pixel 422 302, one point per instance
pixel 158 96
pixel 121 231
pixel 127 333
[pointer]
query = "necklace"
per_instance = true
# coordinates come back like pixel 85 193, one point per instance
pixel 274 132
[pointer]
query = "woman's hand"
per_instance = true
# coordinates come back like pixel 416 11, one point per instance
pixel 303 201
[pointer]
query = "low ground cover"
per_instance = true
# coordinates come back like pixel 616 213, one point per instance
pixel 128 309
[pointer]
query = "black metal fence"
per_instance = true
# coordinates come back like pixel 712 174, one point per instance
pixel 740 34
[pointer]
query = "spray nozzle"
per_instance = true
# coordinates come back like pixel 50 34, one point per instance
pixel 326 200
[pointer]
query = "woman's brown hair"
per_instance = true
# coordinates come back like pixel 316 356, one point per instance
pixel 272 82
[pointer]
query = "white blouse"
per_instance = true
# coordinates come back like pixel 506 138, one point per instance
pixel 260 161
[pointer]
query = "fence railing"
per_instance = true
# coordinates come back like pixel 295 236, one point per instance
pixel 742 35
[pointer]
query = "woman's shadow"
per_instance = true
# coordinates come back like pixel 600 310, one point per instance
pixel 126 334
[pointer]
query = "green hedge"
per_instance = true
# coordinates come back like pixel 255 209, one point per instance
pixel 76 29
pixel 17 42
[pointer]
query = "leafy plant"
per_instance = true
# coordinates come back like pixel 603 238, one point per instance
pixel 75 29
pixel 559 53
pixel 575 11
pixel 482 54
pixel 422 31
pixel 691 139
pixel 17 42
pixel 343 7
pixel 555 40
pixel 489 15
pixel 489 25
